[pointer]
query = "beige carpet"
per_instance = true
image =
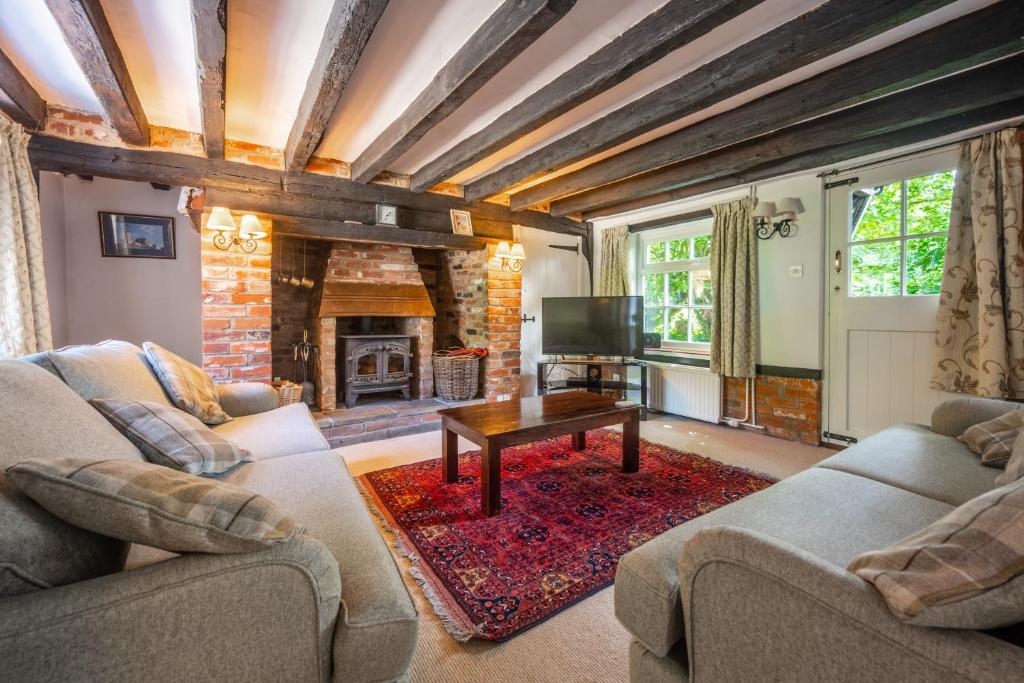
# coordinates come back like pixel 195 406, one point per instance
pixel 584 642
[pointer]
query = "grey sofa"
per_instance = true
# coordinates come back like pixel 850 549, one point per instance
pixel 330 605
pixel 758 590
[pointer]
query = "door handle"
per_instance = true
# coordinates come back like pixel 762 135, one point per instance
pixel 839 260
pixel 531 319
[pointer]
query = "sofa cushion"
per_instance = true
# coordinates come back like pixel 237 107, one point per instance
pixel 171 437
pixel 959 571
pixel 189 388
pixel 377 613
pixel 914 458
pixel 110 369
pixel 140 502
pixel 831 514
pixel 282 431
pixel 1014 466
pixel 993 439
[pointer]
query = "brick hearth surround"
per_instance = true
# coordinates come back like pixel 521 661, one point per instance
pixel 788 407
pixel 504 299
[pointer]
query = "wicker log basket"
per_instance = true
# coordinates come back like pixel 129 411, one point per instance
pixel 457 373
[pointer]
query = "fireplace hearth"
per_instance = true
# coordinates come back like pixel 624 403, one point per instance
pixel 374 363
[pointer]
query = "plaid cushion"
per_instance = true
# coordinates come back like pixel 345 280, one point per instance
pixel 1014 466
pixel 144 503
pixel 171 437
pixel 189 387
pixel 993 439
pixel 973 549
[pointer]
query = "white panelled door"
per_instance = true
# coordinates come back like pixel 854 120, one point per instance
pixel 547 271
pixel 887 241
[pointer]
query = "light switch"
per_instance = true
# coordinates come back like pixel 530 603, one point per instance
pixel 796 271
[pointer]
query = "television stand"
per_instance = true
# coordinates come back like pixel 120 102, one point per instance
pixel 619 385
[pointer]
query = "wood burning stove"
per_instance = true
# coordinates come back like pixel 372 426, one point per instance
pixel 374 363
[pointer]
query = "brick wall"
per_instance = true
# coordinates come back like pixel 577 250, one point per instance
pixel 461 299
pixel 236 293
pixel 292 309
pixel 788 407
pixel 504 298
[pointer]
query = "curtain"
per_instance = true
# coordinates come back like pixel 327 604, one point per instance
pixel 24 312
pixel 734 323
pixel 613 280
pixel 979 340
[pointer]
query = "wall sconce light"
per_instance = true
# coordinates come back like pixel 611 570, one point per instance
pixel 223 224
pixel 788 208
pixel 511 257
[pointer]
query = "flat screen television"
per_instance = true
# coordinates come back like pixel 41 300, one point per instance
pixel 593 325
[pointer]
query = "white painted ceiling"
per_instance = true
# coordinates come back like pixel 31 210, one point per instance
pixel 272 45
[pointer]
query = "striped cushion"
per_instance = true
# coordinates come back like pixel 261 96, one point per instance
pixel 993 439
pixel 171 437
pixel 974 550
pixel 189 387
pixel 145 503
pixel 1014 466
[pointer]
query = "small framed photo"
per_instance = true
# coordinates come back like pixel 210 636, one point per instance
pixel 462 223
pixel 129 235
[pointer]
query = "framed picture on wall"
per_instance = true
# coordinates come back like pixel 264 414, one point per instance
pixel 462 223
pixel 129 235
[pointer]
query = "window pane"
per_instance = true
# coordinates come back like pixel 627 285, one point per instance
pixel 925 258
pixel 679 288
pixel 678 250
pixel 654 289
pixel 654 320
pixel 700 281
pixel 875 213
pixel 875 269
pixel 928 200
pixel 677 321
pixel 700 324
pixel 702 246
pixel 656 253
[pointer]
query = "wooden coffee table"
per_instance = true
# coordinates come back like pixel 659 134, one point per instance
pixel 494 426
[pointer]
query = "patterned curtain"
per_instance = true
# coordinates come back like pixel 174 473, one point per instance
pixel 734 325
pixel 613 280
pixel 979 340
pixel 24 312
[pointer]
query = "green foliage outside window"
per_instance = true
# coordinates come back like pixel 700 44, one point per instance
pixel 678 300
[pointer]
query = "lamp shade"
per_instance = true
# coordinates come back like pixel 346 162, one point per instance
pixel 503 250
pixel 517 252
pixel 791 205
pixel 221 219
pixel 251 227
pixel 764 210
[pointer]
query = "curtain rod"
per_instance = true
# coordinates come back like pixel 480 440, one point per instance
pixel 671 220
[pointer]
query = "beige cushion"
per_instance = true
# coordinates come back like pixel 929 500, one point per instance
pixel 993 439
pixel 957 572
pixel 171 437
pixel 283 431
pixel 110 369
pixel 189 387
pixel 1014 466
pixel 153 505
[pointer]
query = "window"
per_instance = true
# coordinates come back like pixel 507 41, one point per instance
pixel 898 236
pixel 675 281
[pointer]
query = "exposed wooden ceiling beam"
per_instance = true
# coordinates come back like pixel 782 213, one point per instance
pixel 673 25
pixel 210 35
pixel 311 195
pixel 823 31
pixel 990 33
pixel 829 156
pixel 26 106
pixel 321 229
pixel 88 34
pixel 985 85
pixel 348 30
pixel 505 34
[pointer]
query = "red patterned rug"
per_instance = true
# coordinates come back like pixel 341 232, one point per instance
pixel 567 517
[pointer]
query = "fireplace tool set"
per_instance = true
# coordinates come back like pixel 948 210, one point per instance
pixel 301 353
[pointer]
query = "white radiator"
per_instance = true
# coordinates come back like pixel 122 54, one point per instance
pixel 685 390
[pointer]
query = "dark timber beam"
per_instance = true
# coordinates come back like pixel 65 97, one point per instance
pixel 823 31
pixel 348 30
pixel 311 195
pixel 26 106
pixel 829 156
pixel 88 34
pixel 319 229
pixel 675 24
pixel 990 33
pixel 990 84
pixel 210 35
pixel 505 34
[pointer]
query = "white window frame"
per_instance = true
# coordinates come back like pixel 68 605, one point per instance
pixel 690 229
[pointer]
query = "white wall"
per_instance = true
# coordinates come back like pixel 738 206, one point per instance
pixel 136 299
